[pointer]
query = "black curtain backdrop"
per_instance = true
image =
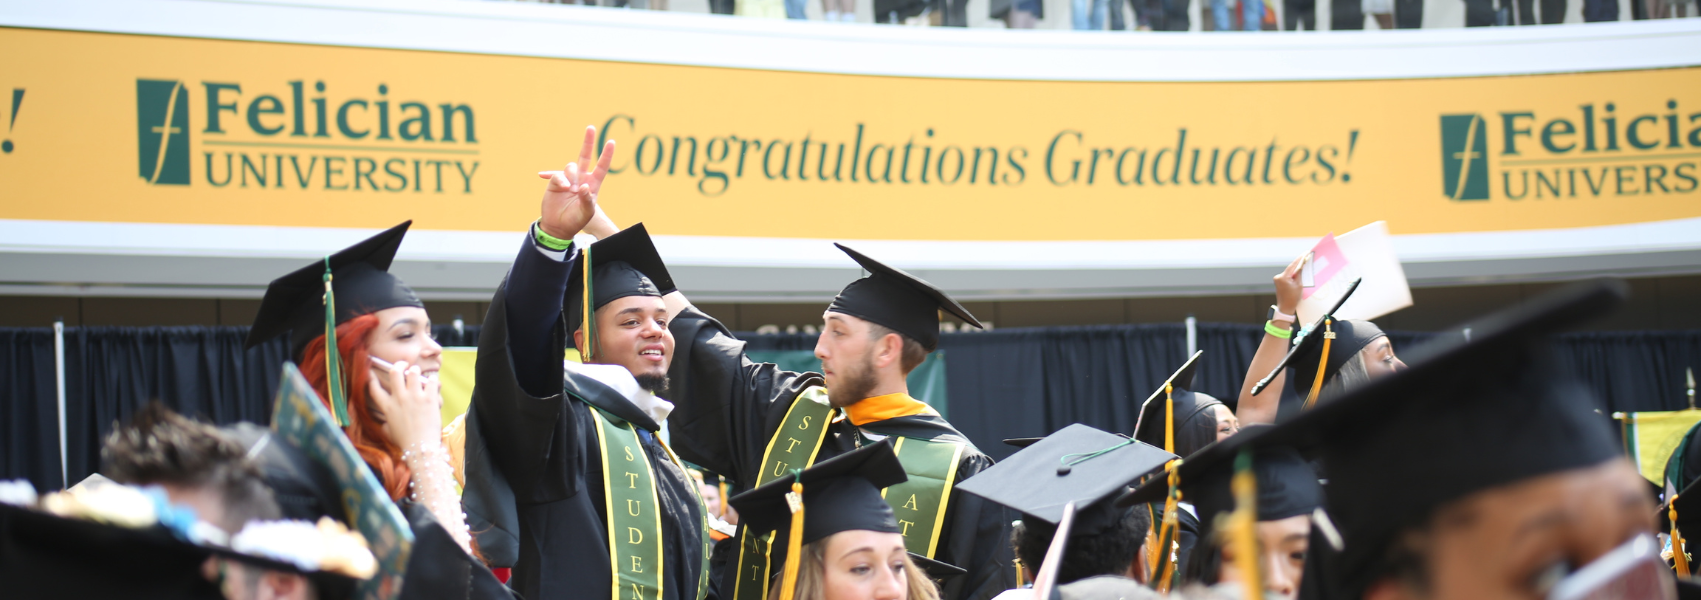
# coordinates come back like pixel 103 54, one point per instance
pixel 1003 384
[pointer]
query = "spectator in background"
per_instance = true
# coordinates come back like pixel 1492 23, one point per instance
pixel 795 9
pixel 1251 11
pixel 1657 9
pixel 1161 15
pixel 1408 14
pixel 839 11
pixel 761 9
pixel 722 7
pixel 1300 14
pixel 1088 15
pixel 1017 14
pixel 1347 15
pixel 1381 10
pixel 1595 11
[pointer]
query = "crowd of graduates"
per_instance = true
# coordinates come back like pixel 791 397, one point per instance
pixel 621 445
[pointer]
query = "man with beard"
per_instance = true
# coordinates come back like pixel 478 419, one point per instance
pixel 569 465
pixel 756 423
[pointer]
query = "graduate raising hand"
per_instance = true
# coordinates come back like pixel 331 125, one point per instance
pixel 570 199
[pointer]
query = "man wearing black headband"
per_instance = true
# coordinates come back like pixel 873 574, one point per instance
pixel 564 460
pixel 754 422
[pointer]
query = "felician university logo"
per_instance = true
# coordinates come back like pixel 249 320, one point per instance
pixel 1464 157
pixel 162 131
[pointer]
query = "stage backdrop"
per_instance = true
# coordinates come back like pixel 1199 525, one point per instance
pixel 1003 384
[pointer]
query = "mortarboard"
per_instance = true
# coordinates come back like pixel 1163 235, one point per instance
pixel 842 494
pixel 359 283
pixel 1077 464
pixel 897 300
pixel 1321 349
pixel 838 494
pixel 1502 410
pixel 1022 442
pixel 622 265
pixel 44 555
pixel 1176 434
pixel 48 556
pixel 1285 486
pixel 360 279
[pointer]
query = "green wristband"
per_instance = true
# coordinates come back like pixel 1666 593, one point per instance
pixel 1271 328
pixel 549 241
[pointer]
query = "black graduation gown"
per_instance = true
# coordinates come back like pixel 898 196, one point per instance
pixel 727 408
pixel 543 444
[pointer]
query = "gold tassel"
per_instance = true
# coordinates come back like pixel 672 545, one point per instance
pixel 1243 528
pixel 1021 577
pixel 1152 540
pixel 585 305
pixel 1679 554
pixel 1169 418
pixel 794 542
pixel 1166 536
pixel 1322 364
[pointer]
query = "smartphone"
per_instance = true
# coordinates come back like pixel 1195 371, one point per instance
pixel 390 367
pixel 382 364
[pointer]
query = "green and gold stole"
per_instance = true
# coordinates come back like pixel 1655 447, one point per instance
pixel 793 447
pixel 920 502
pixel 633 510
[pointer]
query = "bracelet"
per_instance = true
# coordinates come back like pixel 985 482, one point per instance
pixel 1271 328
pixel 549 241
pixel 1276 314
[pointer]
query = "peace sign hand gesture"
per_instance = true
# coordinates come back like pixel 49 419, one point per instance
pixel 570 199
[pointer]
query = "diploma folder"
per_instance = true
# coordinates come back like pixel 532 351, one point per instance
pixel 300 417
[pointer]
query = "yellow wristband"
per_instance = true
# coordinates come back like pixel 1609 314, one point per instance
pixel 549 241
pixel 1271 328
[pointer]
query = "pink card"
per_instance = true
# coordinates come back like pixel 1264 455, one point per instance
pixel 1324 261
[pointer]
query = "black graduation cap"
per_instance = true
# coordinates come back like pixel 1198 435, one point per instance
pixel 1305 355
pixel 622 265
pixel 304 489
pixel 44 555
pixel 897 300
pixel 1077 464
pixel 840 494
pixel 1189 406
pixel 360 279
pixel 1464 417
pixel 1287 484
pixel 48 556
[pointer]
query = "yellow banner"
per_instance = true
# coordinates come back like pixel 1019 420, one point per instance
pixel 148 129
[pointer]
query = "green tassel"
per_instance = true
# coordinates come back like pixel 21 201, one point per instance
pixel 587 304
pixel 333 359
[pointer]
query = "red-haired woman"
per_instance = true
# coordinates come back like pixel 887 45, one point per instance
pixel 389 407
